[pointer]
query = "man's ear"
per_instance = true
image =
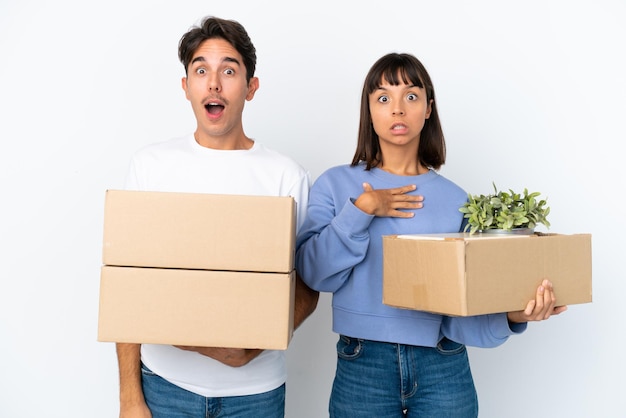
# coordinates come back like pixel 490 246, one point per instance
pixel 183 83
pixel 253 86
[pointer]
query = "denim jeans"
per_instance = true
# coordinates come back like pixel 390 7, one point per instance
pixel 384 380
pixel 167 400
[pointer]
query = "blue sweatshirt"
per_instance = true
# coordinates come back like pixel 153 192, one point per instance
pixel 339 250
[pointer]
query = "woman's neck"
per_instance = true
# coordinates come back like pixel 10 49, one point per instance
pixel 401 164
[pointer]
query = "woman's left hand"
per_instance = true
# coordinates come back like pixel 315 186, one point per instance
pixel 540 308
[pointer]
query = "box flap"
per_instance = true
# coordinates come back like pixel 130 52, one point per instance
pixel 424 273
pixel 199 231
pixel 458 236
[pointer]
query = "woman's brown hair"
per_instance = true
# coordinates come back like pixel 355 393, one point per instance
pixel 395 69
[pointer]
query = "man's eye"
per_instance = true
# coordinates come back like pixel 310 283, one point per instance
pixel 229 71
pixel 200 71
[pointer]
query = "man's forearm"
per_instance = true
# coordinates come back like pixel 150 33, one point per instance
pixel 306 302
pixel 129 363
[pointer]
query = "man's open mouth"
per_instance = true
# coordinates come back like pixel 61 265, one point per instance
pixel 214 108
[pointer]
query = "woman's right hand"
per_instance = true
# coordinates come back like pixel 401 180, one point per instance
pixel 389 202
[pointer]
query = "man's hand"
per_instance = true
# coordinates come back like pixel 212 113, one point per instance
pixel 135 411
pixel 233 357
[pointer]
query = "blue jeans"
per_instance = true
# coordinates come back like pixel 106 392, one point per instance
pixel 166 400
pixel 384 380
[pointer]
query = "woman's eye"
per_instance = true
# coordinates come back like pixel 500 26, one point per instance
pixel 383 99
pixel 412 96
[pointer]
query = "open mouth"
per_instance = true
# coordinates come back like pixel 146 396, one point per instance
pixel 214 108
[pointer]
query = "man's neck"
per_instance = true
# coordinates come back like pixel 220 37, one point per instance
pixel 225 143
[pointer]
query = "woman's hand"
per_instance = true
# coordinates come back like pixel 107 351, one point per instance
pixel 388 202
pixel 540 308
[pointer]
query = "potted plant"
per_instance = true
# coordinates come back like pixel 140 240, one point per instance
pixel 505 212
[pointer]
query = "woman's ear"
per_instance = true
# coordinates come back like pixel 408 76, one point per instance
pixel 430 108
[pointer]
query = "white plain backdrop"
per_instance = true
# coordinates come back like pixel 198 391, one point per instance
pixel 531 94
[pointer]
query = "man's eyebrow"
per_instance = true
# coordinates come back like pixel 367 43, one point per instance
pixel 196 59
pixel 231 59
pixel 226 59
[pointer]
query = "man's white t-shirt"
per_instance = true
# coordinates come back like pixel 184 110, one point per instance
pixel 182 165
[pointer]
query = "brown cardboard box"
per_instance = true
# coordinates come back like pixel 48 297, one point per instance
pixel 198 269
pixel 462 275
pixel 199 231
pixel 196 307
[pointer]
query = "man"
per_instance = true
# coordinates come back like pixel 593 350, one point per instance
pixel 173 381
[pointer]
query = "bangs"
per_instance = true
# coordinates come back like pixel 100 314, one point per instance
pixel 394 70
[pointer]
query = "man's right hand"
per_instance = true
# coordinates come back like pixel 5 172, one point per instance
pixel 234 357
pixel 135 411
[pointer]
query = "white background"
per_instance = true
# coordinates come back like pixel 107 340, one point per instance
pixel 531 94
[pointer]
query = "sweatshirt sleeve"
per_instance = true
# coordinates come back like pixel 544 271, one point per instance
pixel 485 331
pixel 333 239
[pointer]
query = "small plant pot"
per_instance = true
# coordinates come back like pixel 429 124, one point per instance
pixel 514 231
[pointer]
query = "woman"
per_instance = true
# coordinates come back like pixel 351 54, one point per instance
pixel 395 362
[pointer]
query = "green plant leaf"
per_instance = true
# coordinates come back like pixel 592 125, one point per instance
pixel 504 210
